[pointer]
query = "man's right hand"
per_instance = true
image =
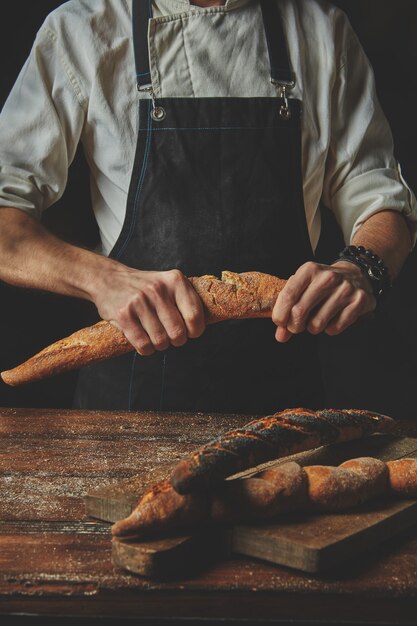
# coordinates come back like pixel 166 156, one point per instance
pixel 153 309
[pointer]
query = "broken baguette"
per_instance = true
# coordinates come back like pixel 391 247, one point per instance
pixel 235 296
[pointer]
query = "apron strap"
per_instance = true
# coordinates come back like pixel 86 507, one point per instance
pixel 281 73
pixel 279 59
pixel 141 14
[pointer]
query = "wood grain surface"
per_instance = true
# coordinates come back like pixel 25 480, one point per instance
pixel 55 560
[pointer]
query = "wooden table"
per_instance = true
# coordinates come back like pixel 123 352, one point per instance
pixel 54 560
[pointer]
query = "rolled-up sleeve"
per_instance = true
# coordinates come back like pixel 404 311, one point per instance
pixel 362 175
pixel 40 126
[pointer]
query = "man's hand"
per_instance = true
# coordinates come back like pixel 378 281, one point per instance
pixel 322 298
pixel 153 309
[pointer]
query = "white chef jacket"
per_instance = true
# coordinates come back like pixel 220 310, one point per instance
pixel 79 85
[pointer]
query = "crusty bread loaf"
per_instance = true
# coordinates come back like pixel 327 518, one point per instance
pixel 270 494
pixel 281 434
pixel 235 296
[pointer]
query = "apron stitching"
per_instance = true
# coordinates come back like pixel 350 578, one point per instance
pixel 140 182
pixel 219 128
pixel 161 398
pixel 129 405
pixel 302 216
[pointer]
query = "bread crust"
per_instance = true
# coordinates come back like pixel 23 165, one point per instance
pixel 373 470
pixel 335 488
pixel 235 296
pixel 403 477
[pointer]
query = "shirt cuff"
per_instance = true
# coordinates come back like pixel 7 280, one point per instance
pixel 371 192
pixel 19 192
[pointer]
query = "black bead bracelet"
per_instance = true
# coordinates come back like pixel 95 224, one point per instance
pixel 371 265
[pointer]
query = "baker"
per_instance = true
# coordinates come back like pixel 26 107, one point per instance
pixel 214 131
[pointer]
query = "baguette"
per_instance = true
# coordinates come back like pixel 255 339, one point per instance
pixel 235 296
pixel 277 491
pixel 281 434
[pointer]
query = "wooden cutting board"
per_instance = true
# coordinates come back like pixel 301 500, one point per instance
pixel 312 543
pixel 172 557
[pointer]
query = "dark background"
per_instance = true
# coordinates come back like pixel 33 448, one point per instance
pixel 372 365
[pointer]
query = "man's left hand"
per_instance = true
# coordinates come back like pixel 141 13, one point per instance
pixel 322 298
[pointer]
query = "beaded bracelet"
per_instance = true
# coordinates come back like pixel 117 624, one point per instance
pixel 371 265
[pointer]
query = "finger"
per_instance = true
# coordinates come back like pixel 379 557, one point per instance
pixel 299 314
pixel 282 334
pixel 157 312
pixel 173 323
pixel 330 308
pixel 161 319
pixel 347 316
pixel 294 287
pixel 154 327
pixel 191 308
pixel 324 284
pixel 136 335
pixel 293 290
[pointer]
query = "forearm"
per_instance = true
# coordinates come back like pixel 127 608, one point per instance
pixel 387 234
pixel 32 257
pixel 153 309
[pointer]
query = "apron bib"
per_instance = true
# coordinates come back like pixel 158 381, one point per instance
pixel 216 184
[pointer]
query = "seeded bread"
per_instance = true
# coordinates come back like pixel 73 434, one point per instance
pixel 278 435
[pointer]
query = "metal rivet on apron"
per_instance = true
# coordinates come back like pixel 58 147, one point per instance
pixel 285 112
pixel 158 113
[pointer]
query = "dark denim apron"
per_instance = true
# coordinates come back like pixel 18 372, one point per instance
pixel 216 184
